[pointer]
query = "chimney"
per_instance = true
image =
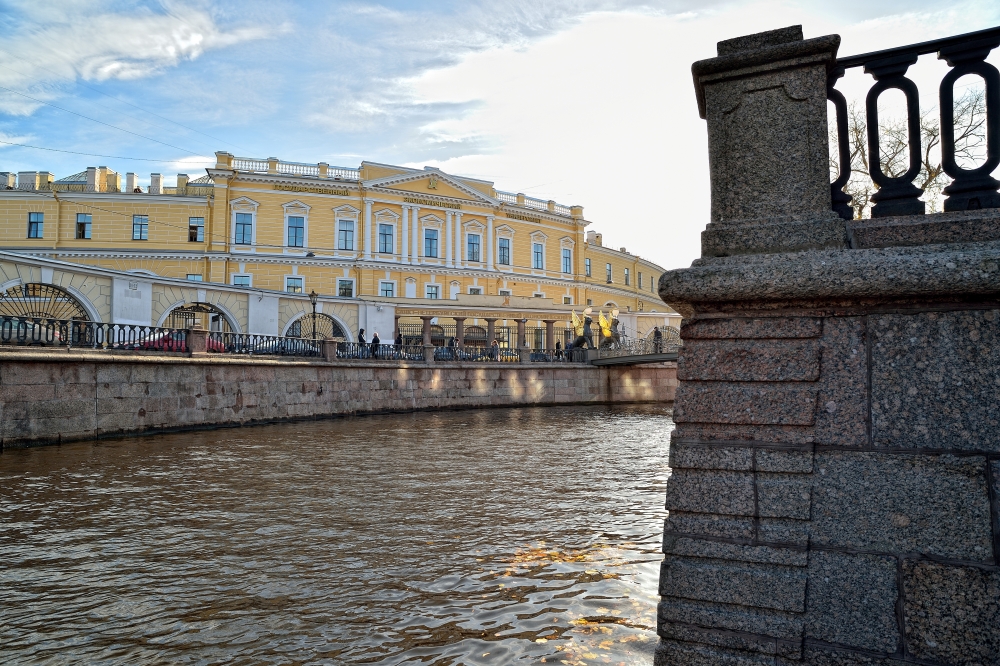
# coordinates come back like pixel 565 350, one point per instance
pixel 27 180
pixel 92 185
pixel 8 180
pixel 102 179
pixel 599 240
pixel 156 183
pixel 591 236
pixel 182 183
pixel 131 182
pixel 622 250
pixel 113 182
pixel 45 180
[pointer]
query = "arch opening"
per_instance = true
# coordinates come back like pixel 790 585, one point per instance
pixel 320 327
pixel 199 315
pixel 43 301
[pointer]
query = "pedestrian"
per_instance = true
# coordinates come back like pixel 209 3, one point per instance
pixel 558 350
pixel 362 344
pixel 657 340
pixel 399 339
pixel 375 344
pixel 495 350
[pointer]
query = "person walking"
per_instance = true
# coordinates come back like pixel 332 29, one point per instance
pixel 495 350
pixel 559 350
pixel 375 343
pixel 362 344
pixel 657 340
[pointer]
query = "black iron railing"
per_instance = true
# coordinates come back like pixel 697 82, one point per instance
pixel 970 189
pixel 262 345
pixel 42 332
pixel 559 356
pixel 380 352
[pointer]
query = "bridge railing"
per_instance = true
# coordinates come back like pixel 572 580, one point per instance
pixel 639 347
pixel 45 332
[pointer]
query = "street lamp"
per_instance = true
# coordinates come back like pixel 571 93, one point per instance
pixel 313 297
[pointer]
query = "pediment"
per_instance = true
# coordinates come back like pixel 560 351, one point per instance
pixel 431 183
pixel 243 204
pixel 347 211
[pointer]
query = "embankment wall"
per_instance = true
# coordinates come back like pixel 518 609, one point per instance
pixel 56 396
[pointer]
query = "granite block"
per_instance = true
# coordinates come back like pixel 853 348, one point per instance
pixel 784 495
pixel 740 328
pixel 710 524
pixel 780 588
pixel 671 653
pixel 935 377
pixel 842 409
pixel 952 613
pixel 694 456
pixel 830 657
pixel 749 403
pixel 743 642
pixel 761 621
pixel 901 503
pixel 958 227
pixel 777 460
pixel 784 530
pixel 694 548
pixel 852 601
pixel 749 361
pixel 710 491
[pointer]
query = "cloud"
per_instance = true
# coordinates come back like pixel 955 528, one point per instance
pixel 84 41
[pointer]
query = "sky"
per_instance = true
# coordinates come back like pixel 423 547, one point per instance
pixel 587 102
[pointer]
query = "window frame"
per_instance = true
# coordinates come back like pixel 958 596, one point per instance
pixel 302 284
pixel 199 229
pixel 437 292
pixel 638 278
pixel 234 276
pixel 427 239
pixel 36 226
pixel 289 228
pixel 478 291
pixel 504 251
pixel 195 277
pixel 350 282
pixel 84 225
pixel 240 228
pixel 345 243
pixel 628 278
pixel 586 267
pixel 566 255
pixel 537 255
pixel 609 273
pixel 392 285
pixel 143 227
pixel 477 246
pixel 391 236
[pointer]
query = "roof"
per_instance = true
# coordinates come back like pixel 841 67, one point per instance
pixel 198 181
pixel 75 178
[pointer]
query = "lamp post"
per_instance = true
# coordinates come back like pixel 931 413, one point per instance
pixel 313 297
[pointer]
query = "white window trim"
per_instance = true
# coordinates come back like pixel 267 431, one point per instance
pixel 538 238
pixel 434 222
pixel 296 209
pixel 243 205
pixel 354 286
pixel 386 216
pixel 505 292
pixel 503 231
pixel 233 276
pixel 298 277
pixel 433 284
pixel 479 287
pixel 354 238
pixel 569 301
pixel 407 283
pixel 395 288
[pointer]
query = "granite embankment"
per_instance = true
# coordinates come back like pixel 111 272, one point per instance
pixel 57 396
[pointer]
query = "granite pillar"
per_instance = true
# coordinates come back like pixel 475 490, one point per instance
pixel 491 330
pixel 459 331
pixel 836 460
pixel 550 338
pixel 426 330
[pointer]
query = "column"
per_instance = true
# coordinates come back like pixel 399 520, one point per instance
pixel 426 329
pixel 488 243
pixel 395 328
pixel 460 331
pixel 414 214
pixel 448 260
pixel 368 229
pixel 459 245
pixel 550 341
pixel 491 330
pixel 404 248
pixel 522 333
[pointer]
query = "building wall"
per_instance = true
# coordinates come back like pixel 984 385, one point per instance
pixel 49 397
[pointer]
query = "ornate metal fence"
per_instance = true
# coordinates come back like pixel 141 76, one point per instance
pixel 41 332
pixel 970 189
pixel 264 345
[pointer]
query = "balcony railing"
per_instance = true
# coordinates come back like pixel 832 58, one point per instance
pixel 300 169
pixel 507 197
pixel 971 188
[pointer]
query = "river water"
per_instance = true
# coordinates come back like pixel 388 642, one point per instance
pixel 475 537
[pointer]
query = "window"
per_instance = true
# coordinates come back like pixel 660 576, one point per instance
pixel 537 256
pixel 586 266
pixel 472 247
pixel 140 227
pixel 503 253
pixel 345 235
pixel 35 222
pixel 626 278
pixel 296 231
pixel 475 291
pixel 590 301
pixel 385 235
pixel 195 277
pixel 430 245
pixel 638 276
pixel 83 222
pixel 504 292
pixel 433 290
pixel 241 280
pixel 567 260
pixel 244 229
pixel 345 288
pixel 293 285
pixel 537 295
pixel 607 268
pixel 567 300
pixel 196 229
pixel 387 289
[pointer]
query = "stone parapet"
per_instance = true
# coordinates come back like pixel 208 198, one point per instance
pixel 58 396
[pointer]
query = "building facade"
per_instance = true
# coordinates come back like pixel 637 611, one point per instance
pixel 419 241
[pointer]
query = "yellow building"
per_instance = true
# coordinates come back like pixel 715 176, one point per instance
pixel 420 241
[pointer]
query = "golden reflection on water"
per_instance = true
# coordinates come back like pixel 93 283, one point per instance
pixel 480 537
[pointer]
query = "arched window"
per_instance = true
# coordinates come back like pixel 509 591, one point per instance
pixel 199 315
pixel 44 301
pixel 323 327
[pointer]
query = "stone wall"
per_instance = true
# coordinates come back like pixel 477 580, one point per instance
pixel 51 396
pixel 835 488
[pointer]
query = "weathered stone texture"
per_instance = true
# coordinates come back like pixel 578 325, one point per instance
pixel 750 361
pixel 935 380
pixel 754 584
pixel 934 505
pixel 952 613
pixel 60 396
pixel 710 491
pixel 748 403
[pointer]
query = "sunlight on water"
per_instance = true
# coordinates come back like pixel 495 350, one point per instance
pixel 478 537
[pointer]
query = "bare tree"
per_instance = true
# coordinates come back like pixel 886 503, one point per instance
pixel 970 148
